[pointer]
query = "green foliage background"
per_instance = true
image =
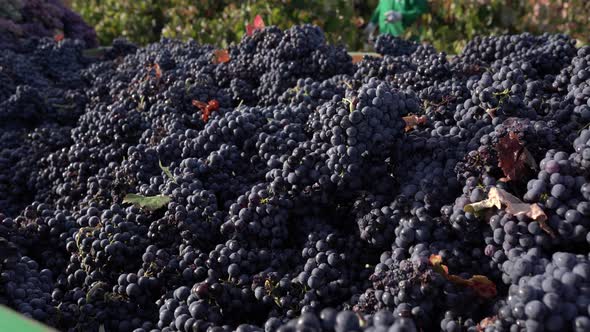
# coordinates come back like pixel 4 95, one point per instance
pixel 221 22
pixel 451 23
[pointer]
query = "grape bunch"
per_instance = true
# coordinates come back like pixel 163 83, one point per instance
pixel 23 19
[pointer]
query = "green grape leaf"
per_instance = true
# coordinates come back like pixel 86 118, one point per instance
pixel 167 172
pixel 151 203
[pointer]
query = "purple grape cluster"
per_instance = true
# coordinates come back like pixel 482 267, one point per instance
pixel 22 19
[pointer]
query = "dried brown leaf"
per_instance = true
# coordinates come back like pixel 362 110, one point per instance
pixel 483 286
pixel 480 284
pixel 499 198
pixel 488 321
pixel 413 121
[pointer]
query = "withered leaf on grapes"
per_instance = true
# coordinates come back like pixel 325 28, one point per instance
pixel 513 157
pixel 499 198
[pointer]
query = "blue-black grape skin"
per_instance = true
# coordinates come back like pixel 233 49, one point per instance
pixel 303 203
pixel 32 19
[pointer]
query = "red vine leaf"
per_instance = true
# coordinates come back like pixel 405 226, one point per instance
pixel 513 158
pixel 221 56
pixel 257 24
pixel 413 121
pixel 198 104
pixel 206 108
pixel 157 71
pixel 356 58
pixel 203 107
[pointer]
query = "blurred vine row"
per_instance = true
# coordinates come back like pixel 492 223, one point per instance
pixel 450 23
pixel 447 25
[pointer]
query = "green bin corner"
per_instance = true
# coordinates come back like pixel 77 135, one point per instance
pixel 12 321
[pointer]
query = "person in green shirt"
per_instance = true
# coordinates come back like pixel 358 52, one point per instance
pixel 394 16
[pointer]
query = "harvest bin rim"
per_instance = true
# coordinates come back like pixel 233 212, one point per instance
pixel 14 321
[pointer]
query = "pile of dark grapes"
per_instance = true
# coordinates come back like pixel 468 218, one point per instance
pixel 22 19
pixel 166 188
